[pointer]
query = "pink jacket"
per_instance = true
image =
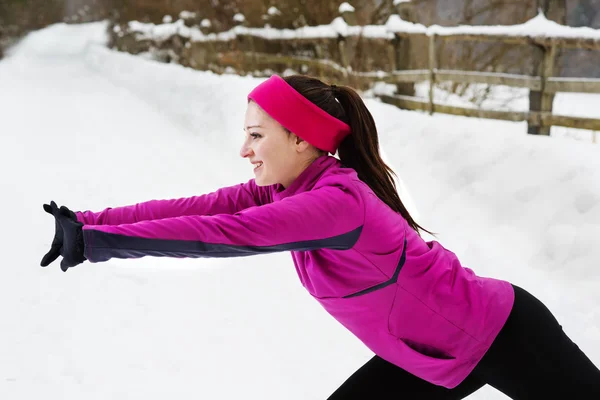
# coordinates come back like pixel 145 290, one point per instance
pixel 410 301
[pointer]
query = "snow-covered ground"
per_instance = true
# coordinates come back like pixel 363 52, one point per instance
pixel 92 128
pixel 497 97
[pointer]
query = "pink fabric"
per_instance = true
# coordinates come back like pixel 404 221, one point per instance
pixel 436 319
pixel 299 115
pixel 227 200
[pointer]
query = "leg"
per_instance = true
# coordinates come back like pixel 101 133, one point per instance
pixel 533 358
pixel 380 380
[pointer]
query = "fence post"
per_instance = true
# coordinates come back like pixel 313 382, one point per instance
pixel 432 67
pixel 349 17
pixel 253 64
pixel 542 101
pixel 342 49
pixel 391 53
pixel 547 98
pixel 402 45
pixel 319 56
pixel 344 59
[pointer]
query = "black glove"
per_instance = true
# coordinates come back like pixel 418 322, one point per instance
pixel 57 242
pixel 68 238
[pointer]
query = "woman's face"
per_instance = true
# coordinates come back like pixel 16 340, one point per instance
pixel 276 155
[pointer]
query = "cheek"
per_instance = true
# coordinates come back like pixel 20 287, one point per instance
pixel 269 150
pixel 284 163
pixel 276 153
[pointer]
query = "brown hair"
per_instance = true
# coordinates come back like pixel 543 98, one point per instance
pixel 360 150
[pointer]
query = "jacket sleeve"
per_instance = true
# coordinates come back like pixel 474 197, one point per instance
pixel 330 217
pixel 227 200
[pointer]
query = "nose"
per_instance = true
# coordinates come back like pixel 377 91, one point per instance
pixel 245 151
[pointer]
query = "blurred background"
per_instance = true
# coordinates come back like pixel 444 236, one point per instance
pixel 20 16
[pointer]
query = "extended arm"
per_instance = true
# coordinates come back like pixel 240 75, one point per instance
pixel 329 217
pixel 227 200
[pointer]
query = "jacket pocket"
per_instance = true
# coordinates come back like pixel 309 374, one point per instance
pixel 422 330
pixel 425 350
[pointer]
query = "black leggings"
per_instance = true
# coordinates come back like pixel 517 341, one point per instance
pixel 532 358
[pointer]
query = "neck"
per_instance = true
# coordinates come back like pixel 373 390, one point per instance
pixel 302 165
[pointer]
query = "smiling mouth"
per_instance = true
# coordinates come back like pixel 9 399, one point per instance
pixel 258 165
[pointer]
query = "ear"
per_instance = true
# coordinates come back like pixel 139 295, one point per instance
pixel 300 144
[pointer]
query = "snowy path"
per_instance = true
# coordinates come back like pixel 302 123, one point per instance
pixel 91 128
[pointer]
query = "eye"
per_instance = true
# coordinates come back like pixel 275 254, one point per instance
pixel 255 135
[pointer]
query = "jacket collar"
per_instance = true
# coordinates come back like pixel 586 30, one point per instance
pixel 307 178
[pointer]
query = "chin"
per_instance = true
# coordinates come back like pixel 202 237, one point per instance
pixel 261 182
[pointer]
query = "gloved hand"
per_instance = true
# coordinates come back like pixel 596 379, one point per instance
pixel 57 242
pixel 68 238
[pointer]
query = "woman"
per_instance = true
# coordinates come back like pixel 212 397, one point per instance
pixel 438 331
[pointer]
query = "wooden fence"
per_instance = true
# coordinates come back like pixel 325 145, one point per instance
pixel 244 48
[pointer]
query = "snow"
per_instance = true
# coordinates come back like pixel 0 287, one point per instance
pixel 205 23
pixel 538 26
pixel 91 128
pixel 396 2
pixel 273 11
pixel 345 7
pixel 187 14
pixel 164 31
pixel 517 99
pixel 239 17
pixel 395 24
pixel 160 32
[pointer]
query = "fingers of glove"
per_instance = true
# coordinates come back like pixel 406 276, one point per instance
pixel 64 265
pixel 50 208
pixel 55 210
pixel 67 263
pixel 50 256
pixel 68 213
pixel 64 211
pixel 71 214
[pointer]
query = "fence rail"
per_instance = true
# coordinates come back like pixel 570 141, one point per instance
pixel 242 47
pixel 533 83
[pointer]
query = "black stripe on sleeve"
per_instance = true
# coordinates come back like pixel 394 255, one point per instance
pixel 101 246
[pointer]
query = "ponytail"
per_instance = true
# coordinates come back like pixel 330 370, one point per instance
pixel 360 149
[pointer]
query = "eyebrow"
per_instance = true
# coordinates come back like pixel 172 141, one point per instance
pixel 252 126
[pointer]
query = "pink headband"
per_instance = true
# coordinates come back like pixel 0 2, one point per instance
pixel 299 115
